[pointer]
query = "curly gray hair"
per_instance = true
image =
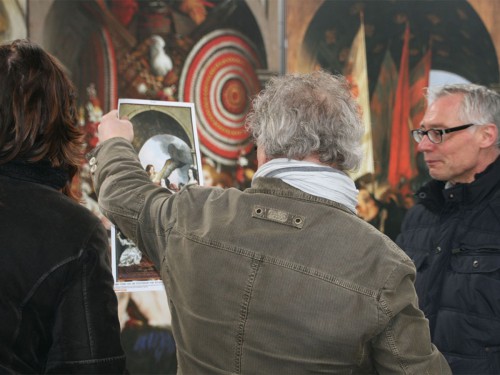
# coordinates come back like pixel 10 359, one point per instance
pixel 298 115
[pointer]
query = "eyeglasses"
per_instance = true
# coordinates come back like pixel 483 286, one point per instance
pixel 436 135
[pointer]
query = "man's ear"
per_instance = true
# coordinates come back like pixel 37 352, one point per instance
pixel 489 135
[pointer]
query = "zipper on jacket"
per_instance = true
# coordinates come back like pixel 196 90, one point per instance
pixel 485 249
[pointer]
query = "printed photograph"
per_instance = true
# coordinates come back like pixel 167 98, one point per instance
pixel 167 143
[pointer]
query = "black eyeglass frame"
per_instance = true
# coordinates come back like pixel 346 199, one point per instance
pixel 419 133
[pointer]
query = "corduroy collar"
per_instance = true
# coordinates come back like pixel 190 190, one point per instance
pixel 41 172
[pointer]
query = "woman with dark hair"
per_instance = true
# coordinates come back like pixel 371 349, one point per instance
pixel 57 303
pixel 192 176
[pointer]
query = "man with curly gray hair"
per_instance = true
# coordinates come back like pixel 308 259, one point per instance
pixel 282 278
pixel 303 115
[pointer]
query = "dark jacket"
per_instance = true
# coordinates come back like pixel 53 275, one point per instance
pixel 57 305
pixel 453 237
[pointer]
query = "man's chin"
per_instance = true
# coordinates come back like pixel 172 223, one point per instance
pixel 437 176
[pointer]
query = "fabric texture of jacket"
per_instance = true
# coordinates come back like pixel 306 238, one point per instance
pixel 271 280
pixel 453 237
pixel 57 305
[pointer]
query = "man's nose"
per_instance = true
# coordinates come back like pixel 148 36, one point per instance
pixel 425 144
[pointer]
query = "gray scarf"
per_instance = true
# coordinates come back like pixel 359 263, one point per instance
pixel 315 179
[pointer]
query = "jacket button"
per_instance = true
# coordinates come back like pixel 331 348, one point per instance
pixel 92 160
pixel 93 168
pixel 438 249
pixel 475 264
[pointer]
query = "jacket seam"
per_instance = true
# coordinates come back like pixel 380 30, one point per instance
pixel 87 309
pixel 389 331
pixel 44 277
pixel 35 287
pixel 244 308
pixel 86 361
pixel 282 263
pixel 392 344
pixel 47 274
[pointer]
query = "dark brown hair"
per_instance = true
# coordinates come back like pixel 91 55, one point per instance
pixel 38 118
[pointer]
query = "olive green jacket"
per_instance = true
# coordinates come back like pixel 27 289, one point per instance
pixel 270 280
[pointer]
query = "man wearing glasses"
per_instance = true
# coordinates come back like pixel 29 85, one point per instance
pixel 453 232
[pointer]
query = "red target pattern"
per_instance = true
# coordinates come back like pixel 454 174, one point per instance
pixel 219 78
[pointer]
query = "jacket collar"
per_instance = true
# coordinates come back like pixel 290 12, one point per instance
pixel 433 195
pixel 41 172
pixel 275 186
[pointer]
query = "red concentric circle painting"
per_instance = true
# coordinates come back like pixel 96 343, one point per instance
pixel 219 77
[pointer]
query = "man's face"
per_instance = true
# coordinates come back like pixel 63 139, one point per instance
pixel 365 203
pixel 457 158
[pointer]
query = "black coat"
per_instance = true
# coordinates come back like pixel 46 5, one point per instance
pixel 453 236
pixel 57 305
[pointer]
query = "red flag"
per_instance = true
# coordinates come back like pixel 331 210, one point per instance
pixel 400 155
pixel 419 80
pixel 382 105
